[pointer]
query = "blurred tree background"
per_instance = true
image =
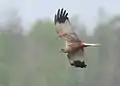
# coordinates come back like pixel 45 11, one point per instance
pixel 34 59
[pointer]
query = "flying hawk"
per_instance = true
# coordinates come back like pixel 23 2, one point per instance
pixel 74 47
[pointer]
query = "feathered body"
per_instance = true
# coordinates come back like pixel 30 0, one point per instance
pixel 74 47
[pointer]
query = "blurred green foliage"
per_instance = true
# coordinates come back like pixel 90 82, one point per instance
pixel 35 60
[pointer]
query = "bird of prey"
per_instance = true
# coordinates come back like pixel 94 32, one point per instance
pixel 74 47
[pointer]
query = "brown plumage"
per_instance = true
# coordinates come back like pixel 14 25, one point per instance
pixel 74 47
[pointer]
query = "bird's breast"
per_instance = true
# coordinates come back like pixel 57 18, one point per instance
pixel 75 44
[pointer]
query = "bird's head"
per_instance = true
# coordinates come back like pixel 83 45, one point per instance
pixel 63 50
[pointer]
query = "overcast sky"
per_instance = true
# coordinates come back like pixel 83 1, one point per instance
pixel 30 10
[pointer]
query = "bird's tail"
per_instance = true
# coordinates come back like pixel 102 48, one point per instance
pixel 90 44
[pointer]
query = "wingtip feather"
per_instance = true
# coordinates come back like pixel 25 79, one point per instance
pixel 61 16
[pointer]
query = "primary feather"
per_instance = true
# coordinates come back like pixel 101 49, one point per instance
pixel 65 31
pixel 63 26
pixel 74 47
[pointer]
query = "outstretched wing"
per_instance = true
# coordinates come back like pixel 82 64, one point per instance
pixel 63 26
pixel 76 56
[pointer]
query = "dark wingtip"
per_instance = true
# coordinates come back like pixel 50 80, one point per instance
pixel 61 16
pixel 80 64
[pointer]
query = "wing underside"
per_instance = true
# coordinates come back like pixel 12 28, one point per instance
pixel 75 56
pixel 63 26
